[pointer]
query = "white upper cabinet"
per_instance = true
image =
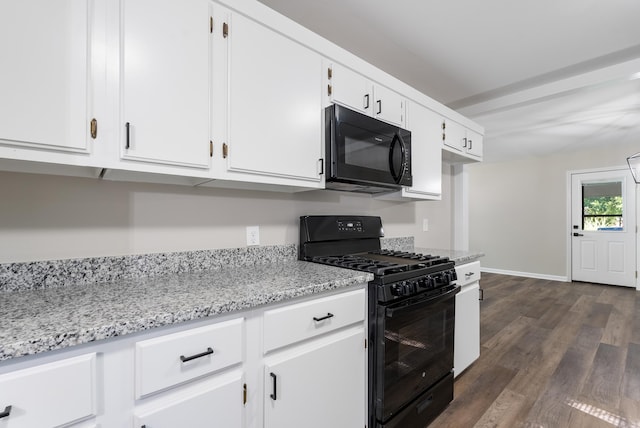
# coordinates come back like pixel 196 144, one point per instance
pixel 453 134
pixel 456 138
pixel 426 160
pixel 426 157
pixel 389 106
pixel 274 105
pixel 165 82
pixel 357 92
pixel 45 77
pixel 225 93
pixel 349 89
pixel 474 143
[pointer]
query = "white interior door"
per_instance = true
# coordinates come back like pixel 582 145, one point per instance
pixel 603 227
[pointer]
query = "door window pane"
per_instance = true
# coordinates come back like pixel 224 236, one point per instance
pixel 602 206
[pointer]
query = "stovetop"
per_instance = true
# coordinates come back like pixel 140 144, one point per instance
pixel 383 262
pixel 353 242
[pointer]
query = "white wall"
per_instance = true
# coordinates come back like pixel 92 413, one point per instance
pixel 518 210
pixel 44 217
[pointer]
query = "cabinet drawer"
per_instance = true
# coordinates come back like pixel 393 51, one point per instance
pixel 51 394
pixel 300 321
pixel 468 273
pixel 175 358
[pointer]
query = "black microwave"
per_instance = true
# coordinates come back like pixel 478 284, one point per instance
pixel 364 154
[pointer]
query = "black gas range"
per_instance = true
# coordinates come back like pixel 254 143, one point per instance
pixel 353 242
pixel 411 316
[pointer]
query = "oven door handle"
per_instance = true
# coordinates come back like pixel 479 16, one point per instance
pixel 420 301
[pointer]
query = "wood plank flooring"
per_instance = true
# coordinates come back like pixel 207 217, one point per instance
pixel 553 354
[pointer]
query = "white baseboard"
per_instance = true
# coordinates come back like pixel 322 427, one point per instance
pixel 526 274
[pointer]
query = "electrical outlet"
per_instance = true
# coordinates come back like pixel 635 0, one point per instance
pixel 253 235
pixel 425 224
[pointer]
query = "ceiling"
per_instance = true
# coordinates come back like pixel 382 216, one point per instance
pixel 541 76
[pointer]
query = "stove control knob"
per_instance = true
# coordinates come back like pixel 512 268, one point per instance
pixel 406 288
pixel 413 285
pixel 446 277
pixel 454 275
pixel 429 282
pixel 396 290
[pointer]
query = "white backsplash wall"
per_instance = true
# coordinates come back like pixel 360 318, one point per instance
pixel 44 217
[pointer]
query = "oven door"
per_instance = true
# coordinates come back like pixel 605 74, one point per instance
pixel 414 346
pixel 366 150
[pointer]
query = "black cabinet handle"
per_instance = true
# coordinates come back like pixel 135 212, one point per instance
pixel 481 290
pixel 366 101
pixel 126 127
pixel 379 106
pixel 6 413
pixel 326 317
pixel 274 395
pixel 184 359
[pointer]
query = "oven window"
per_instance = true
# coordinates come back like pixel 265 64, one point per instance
pixel 417 351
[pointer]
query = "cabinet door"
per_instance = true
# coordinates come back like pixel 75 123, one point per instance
pixel 211 404
pixel 426 158
pixel 350 89
pixel 467 328
pixel 388 106
pixel 474 143
pixel 275 106
pixel 453 134
pixel 165 81
pixel 318 387
pixel 44 76
pixel 48 395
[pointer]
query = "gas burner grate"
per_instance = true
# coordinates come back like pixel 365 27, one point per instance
pixel 376 267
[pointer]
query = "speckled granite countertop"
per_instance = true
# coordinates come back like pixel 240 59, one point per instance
pixel 459 257
pixel 37 320
pixel 57 304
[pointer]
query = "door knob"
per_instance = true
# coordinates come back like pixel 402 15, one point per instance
pixel 577 234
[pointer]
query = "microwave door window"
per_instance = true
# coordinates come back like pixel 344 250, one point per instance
pixel 372 153
pixel 364 155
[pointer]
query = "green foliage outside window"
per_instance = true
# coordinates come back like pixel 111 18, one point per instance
pixel 602 211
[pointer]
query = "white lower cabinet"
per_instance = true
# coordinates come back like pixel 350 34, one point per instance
pixel 49 395
pixel 315 361
pixel 467 325
pixel 319 385
pixel 212 373
pixel 211 403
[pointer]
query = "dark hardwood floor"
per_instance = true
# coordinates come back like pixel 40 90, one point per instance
pixel 553 354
